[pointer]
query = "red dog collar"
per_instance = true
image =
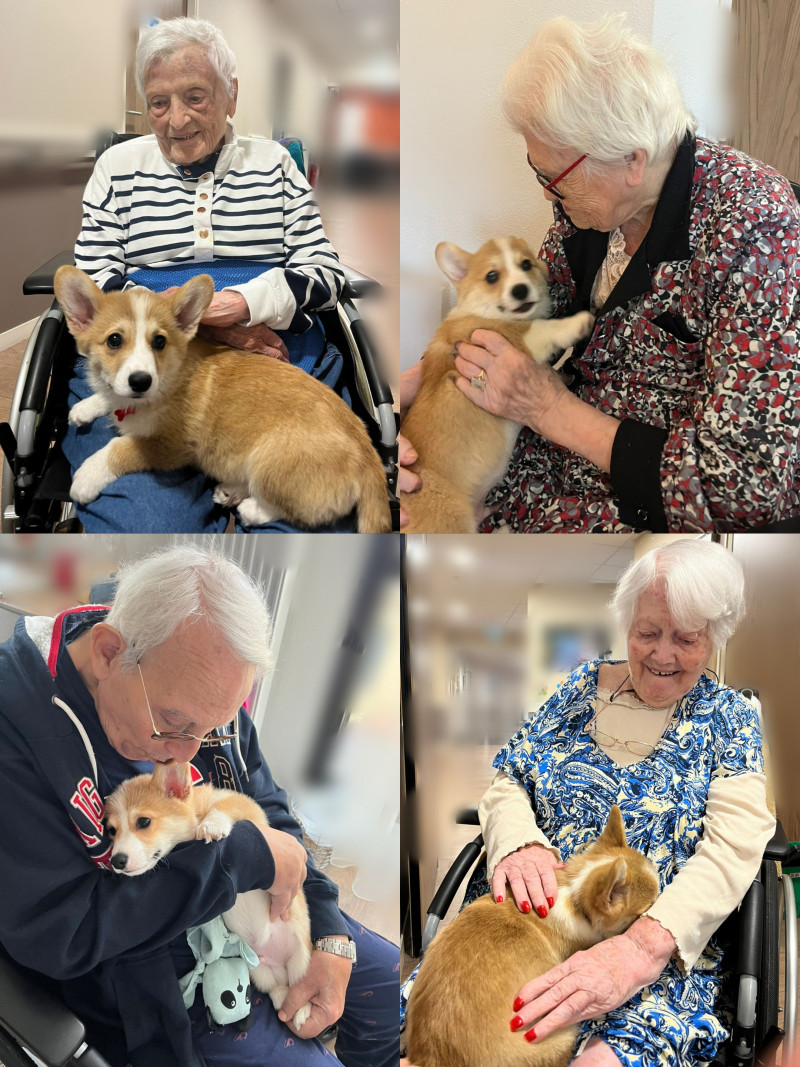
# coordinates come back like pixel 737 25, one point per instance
pixel 121 414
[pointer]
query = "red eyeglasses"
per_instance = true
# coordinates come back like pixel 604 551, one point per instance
pixel 549 185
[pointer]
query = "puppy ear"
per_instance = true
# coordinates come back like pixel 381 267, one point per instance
pixel 614 883
pixel 453 261
pixel 190 302
pixel 78 296
pixel 173 779
pixel 614 832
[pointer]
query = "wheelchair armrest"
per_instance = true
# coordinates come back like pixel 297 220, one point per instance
pixel 38 1020
pixel 777 847
pixel 40 281
pixel 357 284
pixel 468 817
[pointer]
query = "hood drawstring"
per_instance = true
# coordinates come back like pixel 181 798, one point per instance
pixel 85 737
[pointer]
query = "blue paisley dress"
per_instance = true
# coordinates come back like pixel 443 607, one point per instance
pixel 680 1019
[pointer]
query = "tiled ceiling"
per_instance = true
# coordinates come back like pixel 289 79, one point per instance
pixel 347 36
pixel 481 584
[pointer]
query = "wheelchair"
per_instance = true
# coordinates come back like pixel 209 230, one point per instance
pixel 34 492
pixel 754 930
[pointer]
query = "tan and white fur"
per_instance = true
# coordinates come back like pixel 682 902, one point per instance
pixel 280 443
pixel 461 1002
pixel 150 814
pixel 463 450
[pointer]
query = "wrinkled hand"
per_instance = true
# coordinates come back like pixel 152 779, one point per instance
pixel 226 308
pixel 290 870
pixel 593 982
pixel 530 871
pixel 258 338
pixel 407 481
pixel 323 986
pixel 516 387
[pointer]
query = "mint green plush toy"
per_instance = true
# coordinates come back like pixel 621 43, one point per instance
pixel 222 966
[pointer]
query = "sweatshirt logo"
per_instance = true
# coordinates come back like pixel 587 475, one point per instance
pixel 89 803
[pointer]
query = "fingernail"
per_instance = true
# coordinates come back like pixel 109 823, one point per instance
pixel 550 901
pixel 517 1005
pixel 531 1035
pixel 542 910
pixel 525 906
pixel 500 899
pixel 516 1023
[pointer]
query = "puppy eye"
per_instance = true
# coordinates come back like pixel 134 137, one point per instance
pixel 526 264
pixel 143 823
pixel 492 277
pixel 159 341
pixel 114 340
pixel 111 831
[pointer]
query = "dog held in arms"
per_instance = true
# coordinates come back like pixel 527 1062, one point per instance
pixel 461 1001
pixel 147 816
pixel 280 443
pixel 463 450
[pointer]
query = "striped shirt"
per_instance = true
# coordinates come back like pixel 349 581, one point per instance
pixel 140 210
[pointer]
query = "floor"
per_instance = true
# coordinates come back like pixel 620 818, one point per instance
pixel 462 777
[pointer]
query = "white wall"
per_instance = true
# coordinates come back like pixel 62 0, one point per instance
pixel 464 176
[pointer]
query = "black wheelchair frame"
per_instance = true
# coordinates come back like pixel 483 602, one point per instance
pixel 755 929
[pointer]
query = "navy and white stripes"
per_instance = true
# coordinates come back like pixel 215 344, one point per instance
pixel 142 211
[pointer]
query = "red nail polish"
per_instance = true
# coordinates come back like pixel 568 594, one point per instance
pixel 517 1004
pixel 542 910
pixel 500 899
pixel 525 906
pixel 551 902
pixel 531 1035
pixel 516 1023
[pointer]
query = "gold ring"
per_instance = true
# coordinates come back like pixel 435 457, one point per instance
pixel 480 381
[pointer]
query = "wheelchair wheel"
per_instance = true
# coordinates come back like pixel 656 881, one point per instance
pixel 11 1054
pixel 768 993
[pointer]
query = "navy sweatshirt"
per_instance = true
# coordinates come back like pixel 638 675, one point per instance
pixel 114 944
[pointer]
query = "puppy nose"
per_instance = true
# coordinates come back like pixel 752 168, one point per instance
pixel 519 292
pixel 119 861
pixel 140 381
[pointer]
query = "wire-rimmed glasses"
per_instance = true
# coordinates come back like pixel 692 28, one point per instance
pixel 157 735
pixel 636 748
pixel 548 184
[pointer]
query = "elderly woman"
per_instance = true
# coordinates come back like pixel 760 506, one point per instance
pixel 681 756
pixel 683 406
pixel 195 198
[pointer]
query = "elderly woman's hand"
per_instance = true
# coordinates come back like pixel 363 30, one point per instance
pixel 530 871
pixel 533 394
pixel 226 309
pixel 516 387
pixel 593 982
pixel 258 338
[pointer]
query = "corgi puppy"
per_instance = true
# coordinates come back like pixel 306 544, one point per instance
pixel 148 815
pixel 279 442
pixel 463 450
pixel 461 1002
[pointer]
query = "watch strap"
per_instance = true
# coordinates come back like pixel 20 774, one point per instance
pixel 337 947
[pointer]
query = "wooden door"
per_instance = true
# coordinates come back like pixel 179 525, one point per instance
pixel 764 653
pixel 135 118
pixel 767 82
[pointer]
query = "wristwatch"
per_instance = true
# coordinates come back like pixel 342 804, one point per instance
pixel 337 947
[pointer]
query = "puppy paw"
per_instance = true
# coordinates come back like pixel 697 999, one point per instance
pixel 278 995
pixel 301 1016
pixel 214 827
pixel 91 478
pixel 86 411
pixel 229 495
pixel 254 513
pixel 584 322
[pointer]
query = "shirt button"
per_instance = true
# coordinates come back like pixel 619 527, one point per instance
pixel 200 210
pixel 187 171
pixel 204 233
pixel 204 196
pixel 205 177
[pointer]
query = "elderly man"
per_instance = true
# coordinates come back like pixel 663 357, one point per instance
pixel 196 197
pixel 75 723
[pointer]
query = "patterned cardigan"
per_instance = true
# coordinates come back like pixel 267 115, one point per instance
pixel 695 351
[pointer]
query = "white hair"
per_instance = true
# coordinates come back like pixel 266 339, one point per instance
pixel 596 89
pixel 164 39
pixel 702 581
pixel 157 594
